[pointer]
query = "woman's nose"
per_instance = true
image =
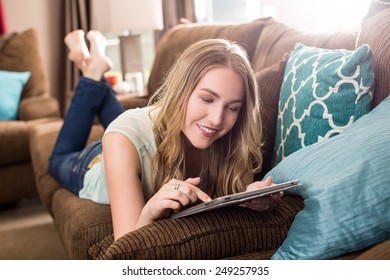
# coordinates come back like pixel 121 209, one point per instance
pixel 216 116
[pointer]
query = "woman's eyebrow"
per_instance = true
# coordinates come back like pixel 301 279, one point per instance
pixel 218 96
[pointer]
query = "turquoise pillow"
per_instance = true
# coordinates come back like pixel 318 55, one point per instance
pixel 346 190
pixel 323 92
pixel 11 86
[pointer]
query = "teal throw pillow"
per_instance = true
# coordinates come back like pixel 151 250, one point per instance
pixel 346 190
pixel 323 92
pixel 11 86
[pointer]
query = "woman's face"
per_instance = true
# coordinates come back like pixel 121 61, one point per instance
pixel 213 107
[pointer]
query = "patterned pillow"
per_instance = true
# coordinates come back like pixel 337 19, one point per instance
pixel 323 92
pixel 346 190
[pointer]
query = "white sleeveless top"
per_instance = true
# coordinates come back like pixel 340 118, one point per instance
pixel 136 125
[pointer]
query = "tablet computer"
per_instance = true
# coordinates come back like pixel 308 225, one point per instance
pixel 234 199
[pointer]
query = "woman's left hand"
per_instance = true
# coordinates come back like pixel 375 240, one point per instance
pixel 265 202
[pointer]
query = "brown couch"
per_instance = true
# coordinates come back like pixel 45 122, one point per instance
pixel 20 52
pixel 235 232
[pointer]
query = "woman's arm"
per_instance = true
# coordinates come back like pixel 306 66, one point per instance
pixel 123 169
pixel 128 208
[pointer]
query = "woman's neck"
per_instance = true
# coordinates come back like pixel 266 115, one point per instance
pixel 194 162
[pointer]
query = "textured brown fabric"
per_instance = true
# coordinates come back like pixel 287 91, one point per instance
pixel 17 182
pixel 15 136
pixel 42 140
pixel 4 39
pixel 39 107
pixel 81 222
pixel 269 81
pixel 375 32
pixel 276 39
pixel 21 53
pixel 378 252
pixel 178 38
pixel 219 234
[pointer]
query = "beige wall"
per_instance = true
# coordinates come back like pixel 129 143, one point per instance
pixel 46 16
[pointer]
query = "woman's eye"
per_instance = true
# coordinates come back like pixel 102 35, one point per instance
pixel 234 109
pixel 207 100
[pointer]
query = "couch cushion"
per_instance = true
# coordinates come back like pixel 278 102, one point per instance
pixel 323 92
pixel 277 38
pixel 178 38
pixel 15 136
pixel 13 186
pixel 11 85
pixel 269 81
pixel 21 53
pixel 218 234
pixel 345 186
pixel 375 32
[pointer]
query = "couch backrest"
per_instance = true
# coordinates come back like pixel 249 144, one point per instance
pixel 19 52
pixel 278 39
pixel 375 32
pixel 178 38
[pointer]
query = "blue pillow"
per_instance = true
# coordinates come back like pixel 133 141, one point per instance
pixel 11 86
pixel 346 190
pixel 323 92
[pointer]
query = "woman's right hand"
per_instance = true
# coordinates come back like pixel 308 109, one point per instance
pixel 172 196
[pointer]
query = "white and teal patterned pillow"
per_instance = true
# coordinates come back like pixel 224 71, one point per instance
pixel 323 92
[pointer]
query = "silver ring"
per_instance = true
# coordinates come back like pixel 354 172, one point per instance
pixel 177 187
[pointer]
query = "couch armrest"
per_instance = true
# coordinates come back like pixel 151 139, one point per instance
pixel 219 234
pixel 39 107
pixel 42 140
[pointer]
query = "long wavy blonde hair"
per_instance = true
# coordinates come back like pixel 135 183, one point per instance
pixel 230 162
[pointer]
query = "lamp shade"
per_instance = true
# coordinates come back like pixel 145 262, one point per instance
pixel 121 15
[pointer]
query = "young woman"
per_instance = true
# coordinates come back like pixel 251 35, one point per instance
pixel 198 139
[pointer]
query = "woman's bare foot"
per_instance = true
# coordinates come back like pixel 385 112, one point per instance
pixel 98 63
pixel 78 50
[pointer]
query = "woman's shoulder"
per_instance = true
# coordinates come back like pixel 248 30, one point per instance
pixel 134 116
pixel 136 124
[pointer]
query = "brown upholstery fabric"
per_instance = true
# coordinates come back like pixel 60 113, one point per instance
pixel 276 39
pixel 15 136
pixel 219 234
pixel 16 182
pixel 21 53
pixel 376 33
pixel 38 107
pixel 378 252
pixel 42 140
pixel 81 222
pixel 178 38
pixel 269 81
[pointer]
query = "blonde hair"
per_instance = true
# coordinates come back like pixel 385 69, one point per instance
pixel 230 162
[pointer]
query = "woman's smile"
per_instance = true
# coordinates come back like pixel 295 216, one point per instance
pixel 208 132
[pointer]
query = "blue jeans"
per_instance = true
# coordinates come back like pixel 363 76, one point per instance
pixel 70 158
